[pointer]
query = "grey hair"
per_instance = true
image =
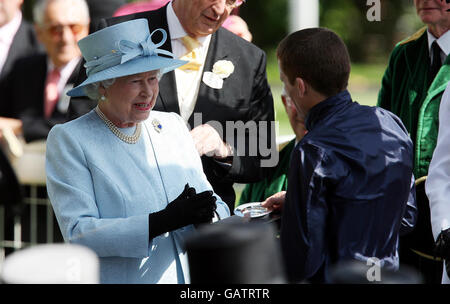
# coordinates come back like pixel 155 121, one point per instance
pixel 91 89
pixel 41 5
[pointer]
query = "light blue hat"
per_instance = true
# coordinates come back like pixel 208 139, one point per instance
pixel 121 50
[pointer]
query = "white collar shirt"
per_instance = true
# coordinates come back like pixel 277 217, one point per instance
pixel 188 82
pixel 443 42
pixel 65 72
pixel 7 33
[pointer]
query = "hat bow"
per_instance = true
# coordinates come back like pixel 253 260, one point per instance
pixel 128 50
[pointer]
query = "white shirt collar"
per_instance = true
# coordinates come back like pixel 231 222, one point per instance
pixel 65 71
pixel 9 30
pixel 443 41
pixel 176 30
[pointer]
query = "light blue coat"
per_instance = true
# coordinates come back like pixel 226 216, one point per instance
pixel 103 189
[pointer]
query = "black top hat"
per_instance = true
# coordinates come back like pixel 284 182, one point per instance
pixel 235 253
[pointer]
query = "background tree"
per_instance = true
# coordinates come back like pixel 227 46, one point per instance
pixel 367 41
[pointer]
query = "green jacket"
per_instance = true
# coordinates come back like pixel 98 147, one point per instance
pixel 274 183
pixel 405 92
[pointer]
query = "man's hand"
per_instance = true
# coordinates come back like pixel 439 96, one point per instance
pixel 11 123
pixel 188 208
pixel 208 142
pixel 275 202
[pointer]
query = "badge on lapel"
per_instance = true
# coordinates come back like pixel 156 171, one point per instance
pixel 157 125
pixel 221 69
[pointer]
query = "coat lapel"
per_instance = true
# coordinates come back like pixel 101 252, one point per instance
pixel 442 78
pixel 216 51
pixel 167 98
pixel 415 50
pixel 419 49
pixel 21 46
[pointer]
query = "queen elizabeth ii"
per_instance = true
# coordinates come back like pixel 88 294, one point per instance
pixel 124 180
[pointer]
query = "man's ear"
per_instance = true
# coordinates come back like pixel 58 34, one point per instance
pixel 301 86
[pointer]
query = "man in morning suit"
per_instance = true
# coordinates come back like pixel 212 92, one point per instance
pixel 225 80
pixel 37 96
pixel 17 39
pixel 412 88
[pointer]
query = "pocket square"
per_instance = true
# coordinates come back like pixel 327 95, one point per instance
pixel 212 80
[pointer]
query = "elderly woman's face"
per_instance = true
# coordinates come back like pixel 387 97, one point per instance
pixel 130 98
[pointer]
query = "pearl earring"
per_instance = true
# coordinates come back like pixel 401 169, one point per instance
pixel 103 98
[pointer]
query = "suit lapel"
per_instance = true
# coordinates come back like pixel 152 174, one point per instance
pixel 440 82
pixel 40 72
pixel 15 51
pixel 64 100
pixel 217 51
pixel 167 98
pixel 73 76
pixel 418 49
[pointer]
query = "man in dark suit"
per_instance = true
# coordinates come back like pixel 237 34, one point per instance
pixel 412 88
pixel 17 40
pixel 37 96
pixel 37 85
pixel 29 102
pixel 226 85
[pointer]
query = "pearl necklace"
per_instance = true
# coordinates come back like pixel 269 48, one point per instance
pixel 129 139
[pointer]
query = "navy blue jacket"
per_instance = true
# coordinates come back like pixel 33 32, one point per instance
pixel 350 189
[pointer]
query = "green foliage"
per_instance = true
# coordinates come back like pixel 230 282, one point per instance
pixel 27 9
pixel 267 20
pixel 367 41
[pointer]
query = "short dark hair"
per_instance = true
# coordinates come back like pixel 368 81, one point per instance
pixel 317 55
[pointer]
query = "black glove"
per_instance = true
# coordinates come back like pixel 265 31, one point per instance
pixel 188 208
pixel 442 248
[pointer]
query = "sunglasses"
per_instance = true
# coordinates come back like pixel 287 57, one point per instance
pixel 57 29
